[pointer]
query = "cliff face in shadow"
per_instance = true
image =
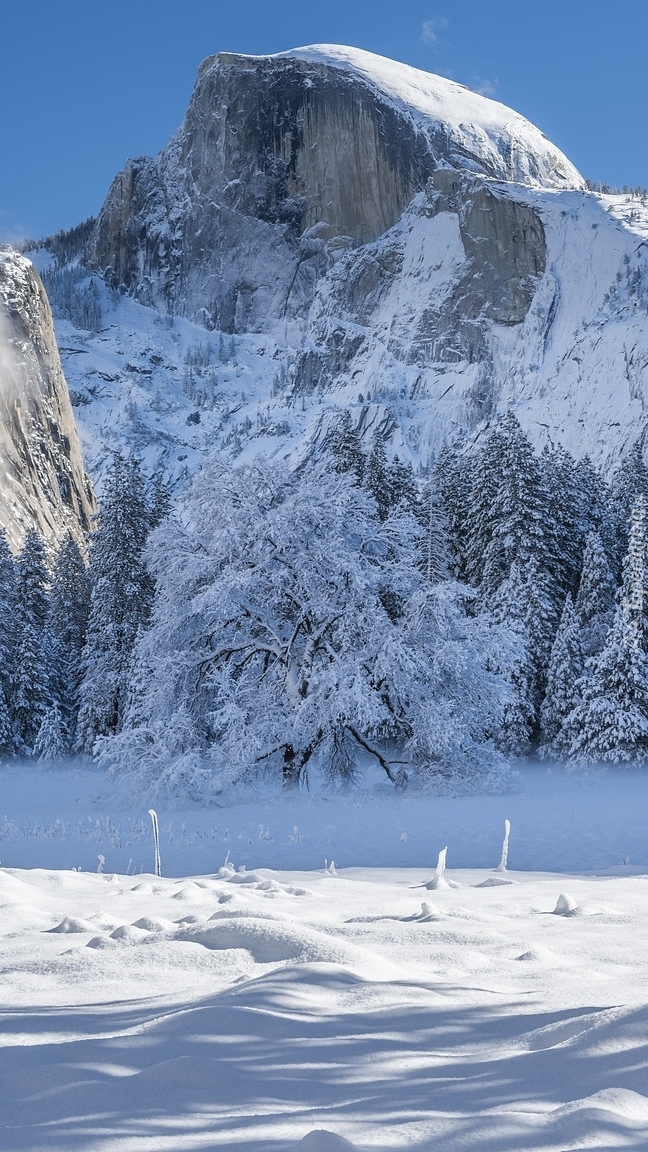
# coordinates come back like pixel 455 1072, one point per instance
pixel 43 481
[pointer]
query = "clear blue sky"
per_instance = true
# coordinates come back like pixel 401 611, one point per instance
pixel 84 84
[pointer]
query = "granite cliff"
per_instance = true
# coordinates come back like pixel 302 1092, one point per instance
pixel 329 229
pixel 44 484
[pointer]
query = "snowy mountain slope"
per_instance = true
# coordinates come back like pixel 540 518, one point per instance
pixel 44 484
pixel 418 334
pixel 284 161
pixel 329 230
pixel 444 322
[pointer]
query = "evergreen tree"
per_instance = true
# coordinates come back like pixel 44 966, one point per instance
pixel 564 672
pixel 377 477
pixel 633 588
pixel 346 447
pixel 452 480
pixel 630 480
pixel 595 600
pixel 435 558
pixel 69 606
pixel 52 741
pixel 518 524
pixel 514 604
pixel 596 507
pixel 611 722
pixel 121 593
pixel 7 642
pixel 30 695
pixel 567 513
pixel 159 500
pixel 404 491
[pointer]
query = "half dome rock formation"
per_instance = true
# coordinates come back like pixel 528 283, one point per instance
pixel 332 230
pixel 284 160
pixel 44 484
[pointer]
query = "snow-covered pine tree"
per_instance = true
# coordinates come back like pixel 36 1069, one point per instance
pixel 7 643
pixel 435 554
pixel 633 587
pixel 611 723
pixel 159 500
pixel 403 489
pixel 121 593
pixel 512 606
pixel 596 507
pixel 378 478
pixel 595 600
pixel 30 693
pixel 69 607
pixel 517 527
pixel 52 741
pixel 451 479
pixel 566 512
pixel 563 676
pixel 346 447
pixel 630 480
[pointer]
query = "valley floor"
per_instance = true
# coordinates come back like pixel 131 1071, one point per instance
pixel 273 1003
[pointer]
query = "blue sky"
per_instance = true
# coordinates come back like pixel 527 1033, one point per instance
pixel 86 84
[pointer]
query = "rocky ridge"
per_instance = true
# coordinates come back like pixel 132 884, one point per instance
pixel 44 483
pixel 331 230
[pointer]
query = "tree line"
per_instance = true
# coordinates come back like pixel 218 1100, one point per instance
pixel 287 619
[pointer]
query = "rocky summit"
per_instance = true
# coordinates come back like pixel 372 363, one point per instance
pixel 329 230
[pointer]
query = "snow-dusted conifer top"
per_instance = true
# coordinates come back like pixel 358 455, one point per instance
pixel 509 143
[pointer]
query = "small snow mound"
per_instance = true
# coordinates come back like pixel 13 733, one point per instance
pixel 150 924
pixel 321 1140
pixel 73 924
pixel 623 1101
pixel 530 957
pixel 566 906
pixel 494 882
pixel 187 893
pixel 428 912
pixel 101 942
pixel 128 933
pixel 247 878
pixel 105 923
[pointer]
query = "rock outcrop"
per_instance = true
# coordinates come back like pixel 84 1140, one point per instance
pixel 284 161
pixel 43 481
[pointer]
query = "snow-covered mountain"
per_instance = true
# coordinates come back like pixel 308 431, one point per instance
pixel 328 230
pixel 44 484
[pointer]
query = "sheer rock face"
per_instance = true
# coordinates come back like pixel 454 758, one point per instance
pixel 477 260
pixel 43 481
pixel 284 162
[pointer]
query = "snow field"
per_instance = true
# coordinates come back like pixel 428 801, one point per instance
pixel 288 1005
pixel 298 1003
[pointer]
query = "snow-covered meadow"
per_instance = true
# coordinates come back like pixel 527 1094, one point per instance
pixel 252 998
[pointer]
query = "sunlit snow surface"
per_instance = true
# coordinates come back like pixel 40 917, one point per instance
pixel 257 1008
pixel 515 148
